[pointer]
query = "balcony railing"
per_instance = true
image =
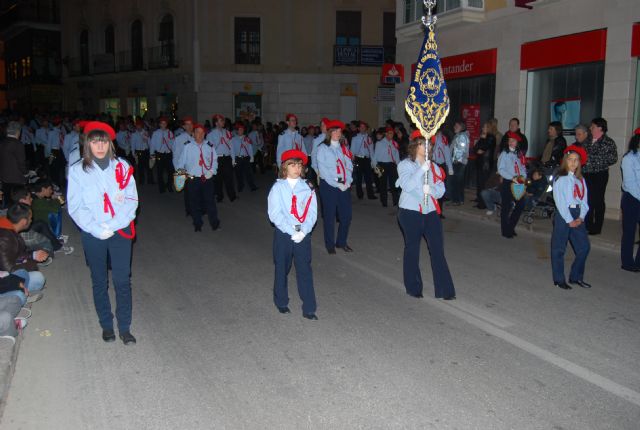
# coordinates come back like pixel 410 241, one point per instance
pixel 104 63
pixel 414 9
pixel 162 57
pixel 363 55
pixel 129 61
pixel 78 66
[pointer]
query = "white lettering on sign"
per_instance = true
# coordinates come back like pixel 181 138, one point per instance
pixel 458 68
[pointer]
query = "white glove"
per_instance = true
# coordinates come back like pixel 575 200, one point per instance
pixel 251 160
pixel 426 189
pixel 426 165
pixel 298 236
pixel 343 187
pixel 450 172
pixel 105 234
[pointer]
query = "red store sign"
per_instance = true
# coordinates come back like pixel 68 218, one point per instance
pixel 587 47
pixel 467 65
pixel 635 40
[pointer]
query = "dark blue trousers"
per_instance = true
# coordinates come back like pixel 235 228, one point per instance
pixel 416 226
pixel 202 199
pixel 335 202
pixel 509 219
pixel 285 251
pixel 579 241
pixel 630 220
pixel 243 171
pixel 362 170
pixel 118 250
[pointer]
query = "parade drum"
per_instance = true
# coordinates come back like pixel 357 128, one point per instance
pixel 152 162
pixel 179 179
pixel 518 187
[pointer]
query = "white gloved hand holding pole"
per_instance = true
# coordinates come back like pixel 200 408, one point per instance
pixel 105 234
pixel 298 236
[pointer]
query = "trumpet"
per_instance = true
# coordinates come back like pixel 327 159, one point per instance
pixel 378 171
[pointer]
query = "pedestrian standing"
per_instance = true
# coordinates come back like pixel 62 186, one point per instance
pixel 13 164
pixel 511 169
pixel 293 209
pixel 336 170
pixel 460 158
pixel 484 148
pixel 630 204
pixel 418 218
pixel 570 196
pixel 102 200
pixel 160 147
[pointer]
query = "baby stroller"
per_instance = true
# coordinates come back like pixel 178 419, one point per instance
pixel 542 205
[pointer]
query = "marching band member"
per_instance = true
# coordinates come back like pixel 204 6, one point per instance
pixel 630 204
pixel 570 196
pixel 289 138
pixel 386 158
pixel 362 149
pixel 41 139
pixel 293 209
pixel 257 141
pixel 71 146
pixel 309 138
pixel 102 200
pixel 441 155
pixel 200 160
pixel 160 147
pixel 179 143
pixel 221 139
pixel 29 141
pixel 55 143
pixel 510 168
pixel 336 167
pixel 316 144
pixel 140 148
pixel 243 149
pixel 418 216
pixel 123 141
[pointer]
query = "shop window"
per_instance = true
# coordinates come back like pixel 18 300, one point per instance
pixel 247 40
pixel 413 10
pixel 569 94
pixel 348 28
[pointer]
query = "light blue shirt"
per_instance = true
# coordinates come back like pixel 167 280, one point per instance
pixel 570 191
pixel 179 143
pixel 631 174
pixel 362 145
pixel 289 139
pixel 308 143
pixel 140 140
pixel 386 151
pixel 460 148
pixel 314 152
pixel 161 141
pixel 221 139
pixel 86 202
pixel 441 152
pixel 27 137
pixel 331 159
pixel 508 165
pixel 71 143
pixel 123 139
pixel 55 140
pixel 191 156
pixel 242 146
pixel 257 141
pixel 411 180
pixel 42 136
pixel 280 202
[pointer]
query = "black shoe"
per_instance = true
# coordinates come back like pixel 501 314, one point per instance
pixel 127 338
pixel 360 197
pixel 346 248
pixel 594 233
pixel 442 216
pixel 284 310
pixel 630 269
pixel 581 283
pixel 219 200
pixel 384 205
pixel 215 225
pixel 449 298
pixel 372 197
pixel 563 285
pixel 508 236
pixel 311 317
pixel 515 234
pixel 417 296
pixel 331 250
pixel 197 228
pixel 108 335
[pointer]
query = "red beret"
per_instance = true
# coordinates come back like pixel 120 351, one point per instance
pixel 56 120
pixel 514 135
pixel 81 124
pixel 335 124
pixel 364 123
pixel 239 124
pixel 197 126
pixel 187 119
pixel 294 154
pixel 217 116
pixel 578 150
pixel 416 134
pixel 163 118
pixel 98 125
pixel 140 122
pixel 290 115
pixel 636 131
pixel 324 121
pixel 389 129
pixel 311 126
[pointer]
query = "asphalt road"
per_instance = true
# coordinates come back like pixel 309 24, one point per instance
pixel 512 352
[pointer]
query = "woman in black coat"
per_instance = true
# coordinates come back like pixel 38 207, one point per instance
pixel 484 159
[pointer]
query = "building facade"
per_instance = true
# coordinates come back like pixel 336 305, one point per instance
pixel 568 60
pixel 240 58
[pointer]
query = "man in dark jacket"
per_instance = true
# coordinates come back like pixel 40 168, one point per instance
pixel 13 167
pixel 523 145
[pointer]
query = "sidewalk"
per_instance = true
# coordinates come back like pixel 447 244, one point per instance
pixel 608 240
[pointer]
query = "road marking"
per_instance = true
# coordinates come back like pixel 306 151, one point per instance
pixel 495 326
